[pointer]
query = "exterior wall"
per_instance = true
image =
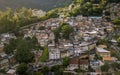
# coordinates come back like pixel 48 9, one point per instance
pixel 92 46
pixel 73 66
pixel 63 55
pixel 104 54
pixel 4 63
pixel 54 55
pixel 84 67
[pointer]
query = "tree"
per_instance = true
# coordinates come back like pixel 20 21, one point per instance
pixel 116 22
pixel 57 34
pixel 23 53
pixel 97 57
pixel 66 30
pixel 66 61
pixel 45 54
pixel 115 65
pixel 21 69
pixel 57 69
pixel 45 70
pixel 9 48
pixel 37 73
pixel 118 40
pixel 105 67
pixel 42 28
pixel 11 21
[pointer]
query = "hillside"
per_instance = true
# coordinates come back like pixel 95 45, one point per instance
pixel 39 4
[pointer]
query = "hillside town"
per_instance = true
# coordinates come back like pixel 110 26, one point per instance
pixel 82 48
pixel 61 42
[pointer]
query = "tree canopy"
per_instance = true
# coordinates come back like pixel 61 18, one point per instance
pixel 63 31
pixel 21 69
pixel 11 20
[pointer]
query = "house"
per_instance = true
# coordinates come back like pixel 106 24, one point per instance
pixel 51 45
pixel 64 53
pixel 6 37
pixel 68 45
pixel 4 64
pixel 12 60
pixel 102 46
pixel 11 72
pixel 76 62
pixel 71 51
pixel 92 46
pixel 109 59
pixel 96 64
pixel 84 64
pixel 51 36
pixel 54 54
pixel 73 64
pixel 42 38
pixel 114 41
pixel 3 55
pixel 1 47
pixel 38 13
pixel 102 52
pixel 67 53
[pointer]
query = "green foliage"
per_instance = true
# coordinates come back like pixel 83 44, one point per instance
pixel 63 31
pixel 66 30
pixel 57 69
pixel 37 73
pixel 42 28
pixel 23 48
pixel 23 53
pixel 105 67
pixel 97 57
pixel 88 7
pixel 117 73
pixel 45 70
pixel 116 21
pixel 9 48
pixel 45 54
pixel 115 65
pixel 102 41
pixel 21 69
pixel 51 14
pixel 118 40
pixel 79 70
pixel 12 20
pixel 112 1
pixel 66 61
pixel 115 54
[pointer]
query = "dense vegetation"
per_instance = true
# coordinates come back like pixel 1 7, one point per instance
pixel 88 7
pixel 116 22
pixel 63 31
pixel 22 49
pixel 12 20
pixel 45 54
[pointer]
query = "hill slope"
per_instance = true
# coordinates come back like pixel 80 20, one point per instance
pixel 39 4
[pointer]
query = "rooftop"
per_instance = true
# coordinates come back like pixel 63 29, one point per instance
pixel 101 50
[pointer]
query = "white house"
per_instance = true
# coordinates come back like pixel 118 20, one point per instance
pixel 54 54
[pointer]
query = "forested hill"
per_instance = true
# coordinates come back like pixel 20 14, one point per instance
pixel 37 4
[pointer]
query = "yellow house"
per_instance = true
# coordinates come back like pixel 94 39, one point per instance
pixel 64 54
pixel 109 59
pixel 102 52
pixel 92 46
